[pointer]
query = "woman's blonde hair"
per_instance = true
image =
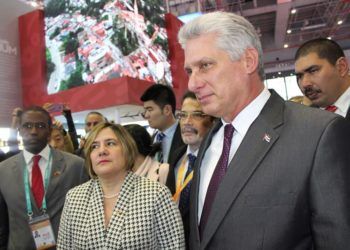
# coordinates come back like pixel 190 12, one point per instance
pixel 128 145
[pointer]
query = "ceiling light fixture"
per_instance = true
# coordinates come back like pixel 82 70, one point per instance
pixel 293 11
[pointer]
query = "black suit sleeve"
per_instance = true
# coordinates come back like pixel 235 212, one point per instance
pixel 4 225
pixel 330 188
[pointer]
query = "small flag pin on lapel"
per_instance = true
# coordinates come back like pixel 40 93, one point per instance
pixel 267 137
pixel 56 173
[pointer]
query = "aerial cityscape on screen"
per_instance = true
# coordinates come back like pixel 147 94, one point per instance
pixel 89 41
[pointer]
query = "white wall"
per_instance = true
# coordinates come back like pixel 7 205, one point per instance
pixel 10 81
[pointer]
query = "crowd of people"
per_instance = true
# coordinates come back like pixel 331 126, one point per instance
pixel 237 167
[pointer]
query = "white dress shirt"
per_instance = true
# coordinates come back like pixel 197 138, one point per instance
pixel 45 153
pixel 343 103
pixel 241 125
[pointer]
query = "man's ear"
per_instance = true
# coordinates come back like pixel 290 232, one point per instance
pixel 342 66
pixel 251 59
pixel 167 110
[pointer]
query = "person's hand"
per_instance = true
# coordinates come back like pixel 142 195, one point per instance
pixel 82 142
pixel 47 106
pixel 15 117
pixel 66 109
pixel 57 124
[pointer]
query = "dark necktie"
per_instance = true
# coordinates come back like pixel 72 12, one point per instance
pixel 37 182
pixel 185 193
pixel 160 137
pixel 219 172
pixel 331 108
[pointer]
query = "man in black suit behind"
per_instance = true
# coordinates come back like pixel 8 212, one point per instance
pixel 322 72
pixel 194 126
pixel 160 104
pixel 271 174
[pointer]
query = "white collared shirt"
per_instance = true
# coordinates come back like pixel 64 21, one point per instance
pixel 241 124
pixel 167 140
pixel 45 153
pixel 343 103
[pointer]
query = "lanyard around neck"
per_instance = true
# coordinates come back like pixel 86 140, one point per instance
pixel 181 181
pixel 27 187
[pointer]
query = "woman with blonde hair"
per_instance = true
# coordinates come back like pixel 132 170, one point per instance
pixel 117 209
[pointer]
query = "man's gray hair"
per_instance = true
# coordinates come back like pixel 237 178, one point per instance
pixel 234 34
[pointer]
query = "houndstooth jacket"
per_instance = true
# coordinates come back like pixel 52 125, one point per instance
pixel 145 217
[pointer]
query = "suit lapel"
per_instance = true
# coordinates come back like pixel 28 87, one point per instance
pixel 116 227
pixel 57 168
pixel 18 170
pixel 176 142
pixel 259 139
pixel 178 154
pixel 95 225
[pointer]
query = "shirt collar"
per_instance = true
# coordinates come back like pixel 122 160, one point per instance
pixel 188 151
pixel 247 116
pixel 170 131
pixel 343 101
pixel 44 154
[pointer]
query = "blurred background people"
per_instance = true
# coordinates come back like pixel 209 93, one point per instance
pixel 144 164
pixel 34 182
pixel 92 119
pixel 194 126
pixel 160 104
pixel 116 208
pixel 59 139
pixel 322 72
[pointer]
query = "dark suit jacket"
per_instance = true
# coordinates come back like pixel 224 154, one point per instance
pixel 67 172
pixel 171 184
pixel 291 192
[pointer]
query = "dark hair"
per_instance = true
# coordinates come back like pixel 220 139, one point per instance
pixel 189 94
pixel 324 48
pixel 161 94
pixel 36 109
pixel 143 140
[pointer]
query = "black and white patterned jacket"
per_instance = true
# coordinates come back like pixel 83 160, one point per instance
pixel 145 217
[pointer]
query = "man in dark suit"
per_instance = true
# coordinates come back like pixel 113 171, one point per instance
pixel 271 174
pixel 194 126
pixel 160 104
pixel 35 182
pixel 322 72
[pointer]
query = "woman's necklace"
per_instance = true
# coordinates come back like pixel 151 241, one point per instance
pixel 110 196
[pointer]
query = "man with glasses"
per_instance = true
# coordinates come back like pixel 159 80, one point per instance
pixel 194 126
pixel 33 185
pixel 159 103
pixel 270 174
pixel 323 75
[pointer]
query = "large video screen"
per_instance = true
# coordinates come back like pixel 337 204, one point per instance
pixel 90 41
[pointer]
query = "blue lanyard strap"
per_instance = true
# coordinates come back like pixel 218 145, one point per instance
pixel 27 188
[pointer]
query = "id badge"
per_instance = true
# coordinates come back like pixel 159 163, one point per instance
pixel 42 232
